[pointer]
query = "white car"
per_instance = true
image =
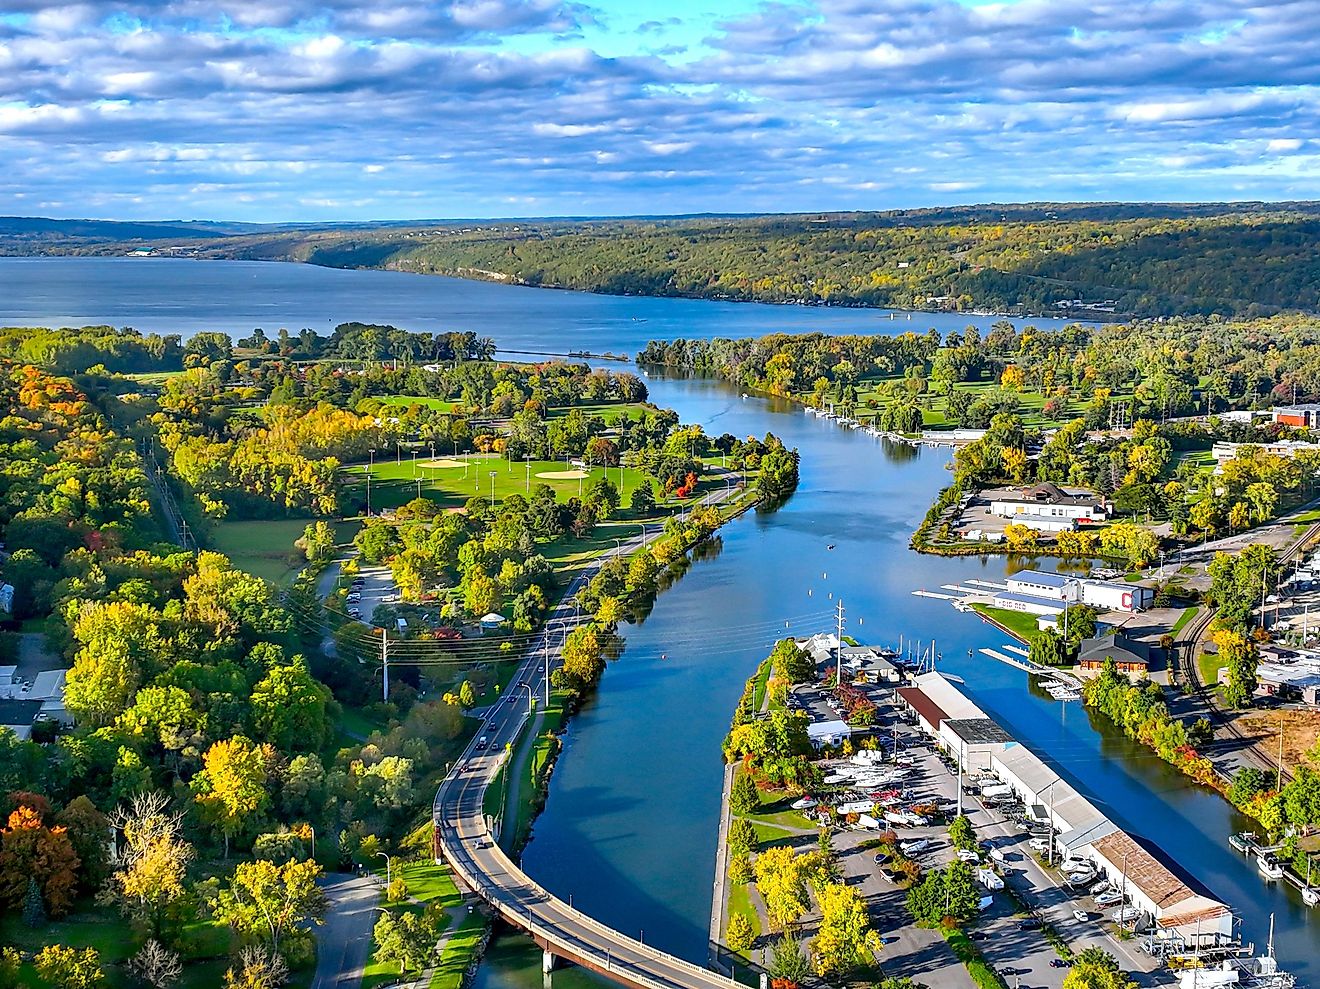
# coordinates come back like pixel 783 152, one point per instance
pixel 1081 916
pixel 965 855
pixel 1040 844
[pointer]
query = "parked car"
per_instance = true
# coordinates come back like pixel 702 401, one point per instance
pixel 1081 916
pixel 354 613
pixel 1040 844
pixel 1060 963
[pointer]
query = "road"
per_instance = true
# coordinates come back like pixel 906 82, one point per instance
pixel 470 849
pixel 345 940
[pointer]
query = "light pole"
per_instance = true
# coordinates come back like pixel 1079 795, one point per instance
pixel 618 546
pixel 492 488
pixel 386 857
pixel 531 697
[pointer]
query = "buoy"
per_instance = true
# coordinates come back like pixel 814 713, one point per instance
pixel 808 592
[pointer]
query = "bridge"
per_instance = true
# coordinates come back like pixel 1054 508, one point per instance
pixel 463 838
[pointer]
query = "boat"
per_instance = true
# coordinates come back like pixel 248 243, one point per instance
pixel 1269 868
pixel 1109 898
pixel 1242 841
pixel 1310 896
pixel 1123 914
pixel 805 803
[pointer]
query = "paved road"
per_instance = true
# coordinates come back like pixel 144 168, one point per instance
pixel 345 939
pixel 478 860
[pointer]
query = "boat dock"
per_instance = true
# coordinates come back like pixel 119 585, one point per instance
pixel 936 594
pixel 1246 843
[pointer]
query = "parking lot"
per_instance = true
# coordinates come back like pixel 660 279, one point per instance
pixel 377 588
pixel 1009 938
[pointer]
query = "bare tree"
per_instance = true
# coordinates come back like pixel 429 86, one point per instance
pixel 156 965
pixel 257 968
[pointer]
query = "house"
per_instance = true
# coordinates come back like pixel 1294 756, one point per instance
pixel 1047 500
pixel 1131 656
pixel 867 661
pixel 1301 416
pixel 823 733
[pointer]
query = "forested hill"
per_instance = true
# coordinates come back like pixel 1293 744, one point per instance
pixel 1066 259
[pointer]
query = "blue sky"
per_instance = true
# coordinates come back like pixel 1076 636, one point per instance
pixel 276 110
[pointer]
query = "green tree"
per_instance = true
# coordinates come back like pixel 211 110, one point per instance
pixel 272 903
pixel 788 962
pixel 742 838
pixel 791 663
pixel 743 796
pixel 290 708
pixel 408 938
pixel 961 833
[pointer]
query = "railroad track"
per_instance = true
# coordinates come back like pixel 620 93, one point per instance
pixel 1185 646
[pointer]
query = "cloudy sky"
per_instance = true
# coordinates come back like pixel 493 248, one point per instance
pixel 297 110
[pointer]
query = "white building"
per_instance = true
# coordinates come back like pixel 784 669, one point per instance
pixel 1225 450
pixel 1047 501
pixel 1040 593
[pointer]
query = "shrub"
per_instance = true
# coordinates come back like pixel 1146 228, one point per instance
pixel 739 935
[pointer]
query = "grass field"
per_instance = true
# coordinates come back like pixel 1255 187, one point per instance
pixel 1020 624
pixel 428 884
pixel 394 483
pixel 1207 665
pixel 1029 410
pixel 458 952
pixel 265 546
pixel 740 902
pixel 1183 619
pixel 404 401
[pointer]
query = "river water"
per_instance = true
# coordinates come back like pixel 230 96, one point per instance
pixel 629 828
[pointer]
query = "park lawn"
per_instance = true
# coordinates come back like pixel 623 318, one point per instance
pixel 265 546
pixel 101 928
pixel 606 410
pixel 458 952
pixel 524 808
pixel 1307 517
pixel 428 883
pixel 740 902
pixel 1199 458
pixel 1020 624
pixel 404 401
pixel 395 482
pixel 153 377
pixel 762 682
pixel 1187 615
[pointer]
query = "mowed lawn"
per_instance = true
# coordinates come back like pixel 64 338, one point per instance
pixel 265 546
pixel 395 482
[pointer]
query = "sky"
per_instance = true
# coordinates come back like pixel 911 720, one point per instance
pixel 294 110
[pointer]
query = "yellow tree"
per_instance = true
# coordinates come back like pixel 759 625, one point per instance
pixel 782 882
pixel 232 784
pixel 1012 379
pixel 153 863
pixel 845 939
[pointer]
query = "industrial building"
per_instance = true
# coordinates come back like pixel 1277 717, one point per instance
pixel 1301 416
pixel 1177 916
pixel 1037 592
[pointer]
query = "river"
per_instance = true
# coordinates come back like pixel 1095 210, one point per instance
pixel 629 827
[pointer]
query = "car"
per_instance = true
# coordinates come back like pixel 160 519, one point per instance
pixel 881 857
pixel 484 843
pixel 354 613
pixel 965 855
pixel 1060 963
pixel 1029 924
pixel 1081 915
pixel 482 742
pixel 1040 844
pixel 978 935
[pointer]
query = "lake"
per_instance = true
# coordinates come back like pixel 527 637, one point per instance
pixel 629 829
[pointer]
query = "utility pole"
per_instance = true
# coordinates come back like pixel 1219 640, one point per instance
pixel 838 655
pixel 961 760
pixel 547 671
pixel 385 663
pixel 1278 780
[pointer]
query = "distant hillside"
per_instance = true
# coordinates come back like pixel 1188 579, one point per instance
pixel 1087 259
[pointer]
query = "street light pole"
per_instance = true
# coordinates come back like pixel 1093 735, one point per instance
pixel 387 867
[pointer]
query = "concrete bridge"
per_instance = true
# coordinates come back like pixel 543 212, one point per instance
pixel 564 933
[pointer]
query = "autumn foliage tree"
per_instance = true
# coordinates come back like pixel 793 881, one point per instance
pixel 31 851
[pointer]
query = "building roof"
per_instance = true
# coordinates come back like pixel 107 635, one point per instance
pixel 1055 604
pixel 866 656
pixel 1174 900
pixel 827 729
pixel 1053 792
pixel 48 684
pixel 1045 493
pixel 820 646
pixel 978 731
pixel 952 700
pixel 1086 833
pixel 922 703
pixel 1297 409
pixel 19 713
pixel 1042 578
pixel 1119 647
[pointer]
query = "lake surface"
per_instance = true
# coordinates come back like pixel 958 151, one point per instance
pixel 174 295
pixel 629 827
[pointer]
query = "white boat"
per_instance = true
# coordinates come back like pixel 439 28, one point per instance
pixel 1109 898
pixel 1242 842
pixel 1269 868
pixel 805 803
pixel 1310 896
pixel 1123 914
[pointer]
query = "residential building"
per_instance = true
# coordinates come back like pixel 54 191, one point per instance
pixel 1224 450
pixel 1131 656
